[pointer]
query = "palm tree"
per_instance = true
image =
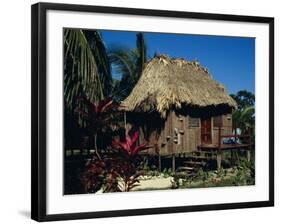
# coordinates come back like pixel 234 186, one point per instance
pixel 86 68
pixel 130 64
pixel 244 115
pixel 87 74
pixel 244 118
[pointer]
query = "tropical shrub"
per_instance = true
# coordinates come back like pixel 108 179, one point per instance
pixel 99 117
pixel 94 175
pixel 127 163
pixel 118 171
pixel 245 173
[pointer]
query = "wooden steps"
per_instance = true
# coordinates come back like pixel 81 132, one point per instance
pixel 191 165
pixel 195 163
pixel 185 168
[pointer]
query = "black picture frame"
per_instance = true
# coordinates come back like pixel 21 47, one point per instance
pixel 39 123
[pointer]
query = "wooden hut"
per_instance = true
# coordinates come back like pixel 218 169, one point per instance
pixel 178 107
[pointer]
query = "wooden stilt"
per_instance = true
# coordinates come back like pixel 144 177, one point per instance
pixel 232 159
pixel 219 150
pixel 159 163
pixel 248 155
pixel 218 160
pixel 173 163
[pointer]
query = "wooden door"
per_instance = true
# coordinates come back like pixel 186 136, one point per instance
pixel 206 131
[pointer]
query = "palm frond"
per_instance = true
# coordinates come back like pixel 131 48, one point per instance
pixel 123 61
pixel 99 50
pixel 130 64
pixel 244 118
pixel 248 111
pixel 83 76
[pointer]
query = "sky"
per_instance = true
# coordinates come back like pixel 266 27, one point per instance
pixel 230 60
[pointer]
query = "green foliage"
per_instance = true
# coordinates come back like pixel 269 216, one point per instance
pixel 244 99
pixel 130 64
pixel 167 172
pixel 221 173
pixel 201 175
pixel 86 66
pixel 144 164
pixel 100 53
pixel 244 173
pixel 244 115
pixel 87 74
pixel 244 118
pixel 153 173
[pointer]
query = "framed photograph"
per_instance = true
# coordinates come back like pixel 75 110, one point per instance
pixel 140 111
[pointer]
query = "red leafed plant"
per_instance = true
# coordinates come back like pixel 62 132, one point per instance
pixel 117 171
pixel 99 116
pixel 128 164
pixel 129 147
pixel 93 176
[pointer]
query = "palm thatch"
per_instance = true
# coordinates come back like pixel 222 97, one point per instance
pixel 171 83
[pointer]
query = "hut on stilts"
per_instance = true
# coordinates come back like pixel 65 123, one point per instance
pixel 179 109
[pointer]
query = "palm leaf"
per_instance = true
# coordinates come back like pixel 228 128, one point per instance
pixel 130 64
pixel 84 76
pixel 248 112
pixel 123 61
pixel 100 53
pixel 244 118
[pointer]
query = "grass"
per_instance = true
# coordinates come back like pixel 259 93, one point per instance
pixel 241 175
pixel 225 178
pixel 236 176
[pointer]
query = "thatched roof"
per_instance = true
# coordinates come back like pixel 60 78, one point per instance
pixel 167 83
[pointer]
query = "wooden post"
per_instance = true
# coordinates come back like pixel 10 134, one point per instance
pixel 219 150
pixel 219 138
pixel 248 155
pixel 218 159
pixel 173 163
pixel 159 162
